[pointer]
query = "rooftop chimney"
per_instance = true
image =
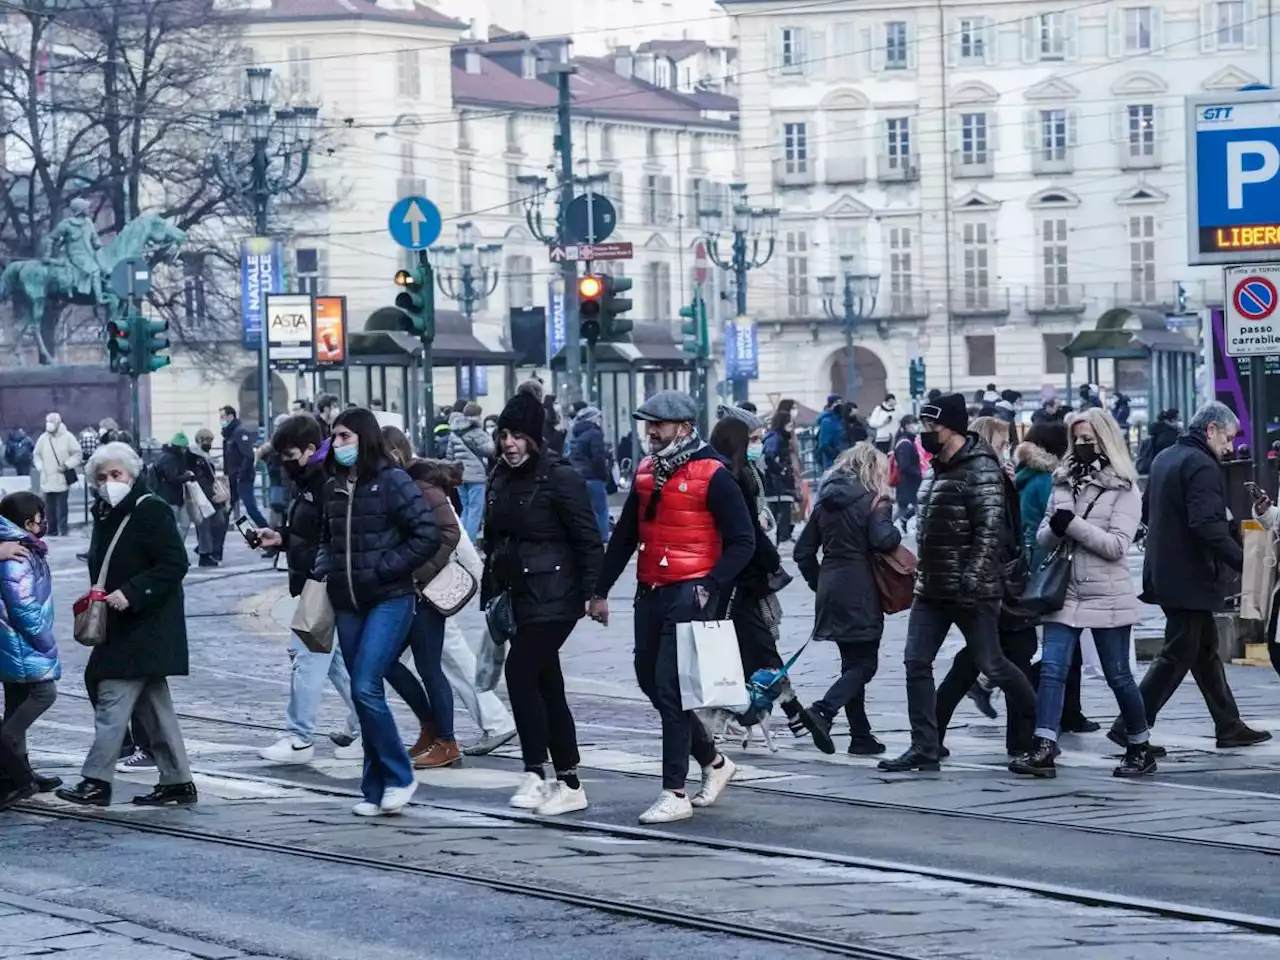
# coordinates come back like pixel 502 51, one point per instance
pixel 623 64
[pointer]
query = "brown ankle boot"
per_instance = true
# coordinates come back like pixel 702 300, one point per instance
pixel 443 753
pixel 425 739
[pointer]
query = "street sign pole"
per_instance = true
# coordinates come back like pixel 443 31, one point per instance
pixel 1258 418
pixel 568 268
pixel 428 356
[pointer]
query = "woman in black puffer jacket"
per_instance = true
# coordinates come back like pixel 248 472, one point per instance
pixel 543 548
pixel 378 531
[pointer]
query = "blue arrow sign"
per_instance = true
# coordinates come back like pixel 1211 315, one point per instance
pixel 414 222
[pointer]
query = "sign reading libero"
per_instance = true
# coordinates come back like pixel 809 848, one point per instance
pixel 291 329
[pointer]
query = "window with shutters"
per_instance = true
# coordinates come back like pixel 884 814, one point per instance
pixel 898 142
pixel 1053 262
pixel 973 40
pixel 1055 361
pixel 519 277
pixel 1142 259
pixel 792 53
pixel 1137 29
pixel 657 192
pixel 795 147
pixel 606 142
pixel 466 198
pixel 1230 23
pixel 698 151
pixel 697 199
pixel 900 272
pixel 308 275
pixel 513 135
pixel 975 254
pixel 980 350
pixel 895 45
pixel 651 144
pixel 408 73
pixel 1052 36
pixel 658 278
pixel 973 139
pixel 1141 129
pixel 796 247
pixel 515 192
pixel 1053 135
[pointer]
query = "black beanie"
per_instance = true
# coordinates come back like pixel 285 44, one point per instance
pixel 949 411
pixel 524 415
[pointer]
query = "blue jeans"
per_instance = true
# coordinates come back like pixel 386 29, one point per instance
pixel 472 495
pixel 306 685
pixel 371 641
pixel 1113 650
pixel 242 493
pixel 426 640
pixel 598 493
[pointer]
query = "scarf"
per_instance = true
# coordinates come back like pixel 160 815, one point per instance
pixel 666 462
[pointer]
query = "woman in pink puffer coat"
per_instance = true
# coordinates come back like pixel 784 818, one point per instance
pixel 1095 508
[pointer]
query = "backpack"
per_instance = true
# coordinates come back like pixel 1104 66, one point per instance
pixel 894 476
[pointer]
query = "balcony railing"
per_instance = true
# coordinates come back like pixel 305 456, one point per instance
pixel 1057 298
pixel 1052 162
pixel 898 168
pixel 912 304
pixel 793 173
pixel 841 170
pixel 977 302
pixel 1138 156
pixel 970 164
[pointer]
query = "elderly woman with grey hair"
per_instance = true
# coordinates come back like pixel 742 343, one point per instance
pixel 136 551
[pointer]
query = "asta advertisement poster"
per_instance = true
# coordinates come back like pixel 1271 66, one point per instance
pixel 331 331
pixel 261 273
pixel 291 329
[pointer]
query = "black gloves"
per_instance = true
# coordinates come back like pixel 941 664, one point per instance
pixel 1060 520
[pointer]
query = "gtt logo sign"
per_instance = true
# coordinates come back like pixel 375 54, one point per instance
pixel 1216 113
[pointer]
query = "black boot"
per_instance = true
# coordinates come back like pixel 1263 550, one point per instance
pixel 182 794
pixel 11 793
pixel 817 723
pixel 1116 736
pixel 1138 761
pixel 913 759
pixel 981 698
pixel 45 784
pixel 1080 724
pixel 1039 762
pixel 865 746
pixel 1243 737
pixel 87 793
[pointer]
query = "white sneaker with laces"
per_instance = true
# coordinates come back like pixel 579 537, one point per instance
pixel 352 751
pixel 714 780
pixel 137 762
pixel 668 808
pixel 562 799
pixel 289 750
pixel 366 809
pixel 395 799
pixel 532 794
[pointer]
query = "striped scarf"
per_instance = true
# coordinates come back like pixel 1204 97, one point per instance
pixel 666 462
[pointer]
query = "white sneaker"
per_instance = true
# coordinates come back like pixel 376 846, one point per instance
pixel 395 799
pixel 561 799
pixel 289 750
pixel 713 782
pixel 352 751
pixel 668 808
pixel 366 809
pixel 533 793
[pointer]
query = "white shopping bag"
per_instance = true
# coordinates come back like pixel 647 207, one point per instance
pixel 710 666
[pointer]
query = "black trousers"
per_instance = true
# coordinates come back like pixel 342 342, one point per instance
pixel 658 610
pixel 858 664
pixel 1190 644
pixel 1019 646
pixel 781 510
pixel 535 686
pixel 756 641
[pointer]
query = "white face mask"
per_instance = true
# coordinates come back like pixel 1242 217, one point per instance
pixel 113 491
pixel 51 427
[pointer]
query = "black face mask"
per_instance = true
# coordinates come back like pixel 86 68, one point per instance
pixel 931 440
pixel 206 447
pixel 1084 453
pixel 292 468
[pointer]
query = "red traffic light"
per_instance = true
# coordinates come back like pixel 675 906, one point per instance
pixel 589 287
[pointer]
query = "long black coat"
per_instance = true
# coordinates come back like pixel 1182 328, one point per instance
pixel 964 527
pixel 847 530
pixel 175 467
pixel 541 540
pixel 1191 557
pixel 149 639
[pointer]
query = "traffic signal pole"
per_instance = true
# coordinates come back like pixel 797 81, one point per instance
pixel 428 337
pixel 569 268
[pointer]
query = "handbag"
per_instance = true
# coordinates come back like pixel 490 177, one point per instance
pixel 1257 581
pixel 500 617
pixel 490 659
pixel 894 573
pixel 68 473
pixel 709 666
pixel 451 589
pixel 90 611
pixel 778 580
pixel 1046 589
pixel 313 620
pixel 221 490
pixel 197 504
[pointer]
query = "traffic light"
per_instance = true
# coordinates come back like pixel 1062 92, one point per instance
pixel 693 329
pixel 617 328
pixel 120 355
pixel 416 301
pixel 152 338
pixel 590 294
pixel 1182 299
pixel 916 373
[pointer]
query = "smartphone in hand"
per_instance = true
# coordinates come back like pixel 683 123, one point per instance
pixel 249 532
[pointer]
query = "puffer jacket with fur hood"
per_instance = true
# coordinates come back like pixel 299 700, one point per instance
pixel 1033 479
pixel 1100 592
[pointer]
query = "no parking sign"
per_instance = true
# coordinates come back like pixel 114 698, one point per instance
pixel 1252 320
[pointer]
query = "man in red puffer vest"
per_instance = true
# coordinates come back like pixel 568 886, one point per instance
pixel 693 529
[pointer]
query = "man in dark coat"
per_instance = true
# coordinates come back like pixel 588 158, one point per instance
pixel 963 532
pixel 238 462
pixel 589 455
pixel 1191 561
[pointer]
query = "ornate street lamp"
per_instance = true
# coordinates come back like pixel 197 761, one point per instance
pixel 858 302
pixel 466 273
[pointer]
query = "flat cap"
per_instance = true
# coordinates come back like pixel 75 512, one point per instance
pixel 728 412
pixel 668 406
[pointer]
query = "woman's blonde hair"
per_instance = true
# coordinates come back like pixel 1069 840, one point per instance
pixel 993 430
pixel 864 462
pixel 1111 442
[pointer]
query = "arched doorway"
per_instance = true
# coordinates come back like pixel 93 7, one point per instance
pixel 872 379
pixel 247 398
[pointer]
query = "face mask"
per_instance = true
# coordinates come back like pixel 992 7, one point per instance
pixel 755 451
pixel 51 427
pixel 932 443
pixel 206 447
pixel 347 456
pixel 40 531
pixel 292 468
pixel 1084 452
pixel 113 491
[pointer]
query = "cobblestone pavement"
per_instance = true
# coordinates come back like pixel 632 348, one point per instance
pixel 970 862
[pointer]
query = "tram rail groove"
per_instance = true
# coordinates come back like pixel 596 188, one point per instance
pixel 659 915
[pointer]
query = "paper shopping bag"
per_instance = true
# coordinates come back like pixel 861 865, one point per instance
pixel 710 666
pixel 313 618
pixel 1258 579
pixel 196 503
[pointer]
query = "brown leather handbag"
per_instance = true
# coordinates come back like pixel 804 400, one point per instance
pixel 895 575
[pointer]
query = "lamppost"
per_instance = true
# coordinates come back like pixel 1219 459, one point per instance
pixel 287 139
pixel 753 231
pixel 858 303
pixel 467 273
